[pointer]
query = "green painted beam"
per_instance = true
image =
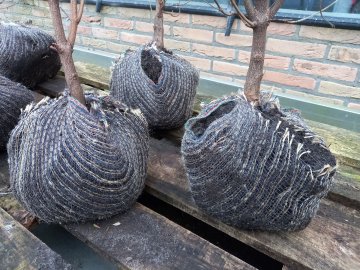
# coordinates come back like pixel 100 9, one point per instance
pixel 332 115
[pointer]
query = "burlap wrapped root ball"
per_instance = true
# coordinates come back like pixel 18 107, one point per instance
pixel 13 97
pixel 25 54
pixel 160 84
pixel 68 164
pixel 256 168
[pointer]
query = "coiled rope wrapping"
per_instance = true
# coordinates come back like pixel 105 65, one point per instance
pixel 25 54
pixel 13 97
pixel 166 104
pixel 256 170
pixel 71 165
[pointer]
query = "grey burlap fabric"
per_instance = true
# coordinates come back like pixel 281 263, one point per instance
pixel 166 104
pixel 71 165
pixel 256 169
pixel 13 97
pixel 25 54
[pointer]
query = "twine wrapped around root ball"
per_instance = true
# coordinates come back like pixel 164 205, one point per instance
pixel 256 168
pixel 25 54
pixel 161 85
pixel 13 97
pixel 71 165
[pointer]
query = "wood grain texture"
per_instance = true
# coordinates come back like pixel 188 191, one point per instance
pixel 331 241
pixel 20 249
pixel 142 239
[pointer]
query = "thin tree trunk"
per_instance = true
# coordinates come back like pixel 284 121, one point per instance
pixel 256 66
pixel 159 25
pixel 260 13
pixel 64 46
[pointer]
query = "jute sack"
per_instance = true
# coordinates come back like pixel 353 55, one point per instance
pixel 25 54
pixel 13 97
pixel 71 164
pixel 256 168
pixel 166 100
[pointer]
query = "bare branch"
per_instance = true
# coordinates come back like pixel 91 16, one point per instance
pixel 80 13
pixel 220 9
pixel 158 37
pixel 322 16
pixel 57 22
pixel 250 10
pixel 75 20
pixel 314 14
pixel 65 47
pixel 275 7
pixel 242 16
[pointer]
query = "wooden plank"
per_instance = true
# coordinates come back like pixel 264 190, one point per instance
pixel 53 87
pixel 345 189
pixel 331 241
pixel 142 239
pixel 20 249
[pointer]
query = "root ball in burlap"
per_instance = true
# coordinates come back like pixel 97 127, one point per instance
pixel 25 54
pixel 13 97
pixel 167 98
pixel 256 168
pixel 69 164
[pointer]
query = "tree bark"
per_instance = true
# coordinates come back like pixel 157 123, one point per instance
pixel 159 25
pixel 64 46
pixel 256 66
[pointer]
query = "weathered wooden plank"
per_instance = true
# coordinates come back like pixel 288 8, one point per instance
pixel 53 87
pixel 142 239
pixel 346 184
pixel 20 249
pixel 331 241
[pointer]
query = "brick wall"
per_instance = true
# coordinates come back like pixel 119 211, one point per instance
pixel 313 62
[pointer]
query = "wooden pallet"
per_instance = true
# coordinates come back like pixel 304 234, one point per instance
pixel 144 239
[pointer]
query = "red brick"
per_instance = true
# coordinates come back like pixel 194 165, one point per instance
pixel 118 23
pixel 40 12
pixel 133 13
pixel 339 72
pixel 91 19
pixel 355 106
pixel 309 50
pixel 228 68
pixel 337 89
pixel 345 54
pixel 273 61
pixel 234 40
pixel 201 63
pixel 212 21
pixel 133 38
pixel 149 27
pixel 177 17
pixel 193 34
pixel 331 34
pixel 288 79
pixel 104 33
pixel 84 30
pixel 209 75
pixel 177 45
pixel 212 51
pixel 274 28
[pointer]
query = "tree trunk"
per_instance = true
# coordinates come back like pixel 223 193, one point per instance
pixel 65 47
pixel 256 66
pixel 159 25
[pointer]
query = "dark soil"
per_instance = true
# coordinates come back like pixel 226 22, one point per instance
pixel 318 156
pixel 151 64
